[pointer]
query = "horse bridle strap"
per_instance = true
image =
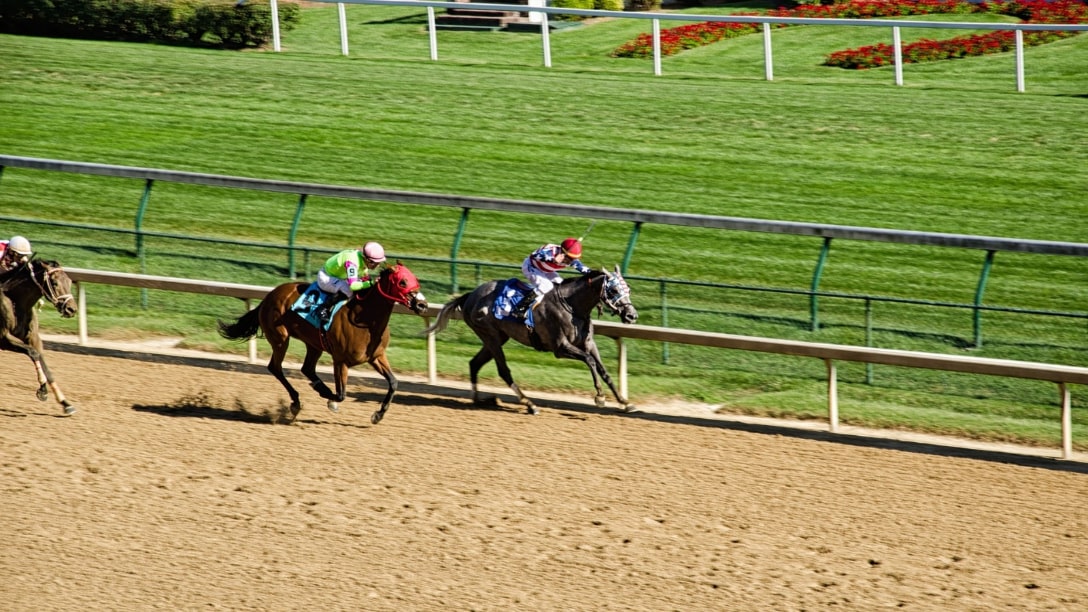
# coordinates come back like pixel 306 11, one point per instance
pixel 49 292
pixel 610 281
pixel 405 301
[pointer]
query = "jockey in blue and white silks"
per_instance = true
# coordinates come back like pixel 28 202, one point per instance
pixel 541 269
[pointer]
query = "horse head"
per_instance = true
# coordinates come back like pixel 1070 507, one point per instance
pixel 617 296
pixel 55 285
pixel 399 285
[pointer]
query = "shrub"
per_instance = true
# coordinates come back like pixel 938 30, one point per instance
pixel 642 5
pixel 222 24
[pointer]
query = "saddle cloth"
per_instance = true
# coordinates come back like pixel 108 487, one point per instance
pixel 509 296
pixel 307 305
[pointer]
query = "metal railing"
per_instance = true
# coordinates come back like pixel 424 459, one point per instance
pixel 656 19
pixel 829 353
pixel 827 232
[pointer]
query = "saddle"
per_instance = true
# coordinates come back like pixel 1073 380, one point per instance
pixel 308 306
pixel 509 296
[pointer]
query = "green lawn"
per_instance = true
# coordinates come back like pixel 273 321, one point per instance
pixel 956 149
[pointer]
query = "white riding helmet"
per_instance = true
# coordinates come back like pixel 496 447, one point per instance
pixel 374 252
pixel 20 245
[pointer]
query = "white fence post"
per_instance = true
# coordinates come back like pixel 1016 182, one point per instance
pixel 897 44
pixel 768 63
pixel 1067 420
pixel 657 46
pixel 343 28
pixel 621 367
pixel 546 41
pixel 832 396
pixel 432 36
pixel 432 354
pixel 1020 61
pixel 82 314
pixel 275 25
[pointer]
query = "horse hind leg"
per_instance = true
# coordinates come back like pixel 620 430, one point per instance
pixel 275 366
pixel 508 378
pixel 309 370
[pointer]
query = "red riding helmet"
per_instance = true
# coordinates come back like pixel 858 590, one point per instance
pixel 572 247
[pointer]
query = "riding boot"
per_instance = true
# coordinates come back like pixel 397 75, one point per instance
pixel 522 308
pixel 324 311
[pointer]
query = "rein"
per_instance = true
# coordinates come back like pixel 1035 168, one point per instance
pixel 47 288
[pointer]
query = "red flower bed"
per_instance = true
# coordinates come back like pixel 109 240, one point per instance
pixel 675 40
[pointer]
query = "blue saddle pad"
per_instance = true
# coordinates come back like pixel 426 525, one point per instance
pixel 307 303
pixel 509 296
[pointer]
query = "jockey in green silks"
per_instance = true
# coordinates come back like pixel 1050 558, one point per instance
pixel 352 270
pixel 346 272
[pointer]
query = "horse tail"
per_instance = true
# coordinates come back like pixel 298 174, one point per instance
pixel 244 328
pixel 444 315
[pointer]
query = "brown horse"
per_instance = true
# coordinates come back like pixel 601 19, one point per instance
pixel 358 333
pixel 20 290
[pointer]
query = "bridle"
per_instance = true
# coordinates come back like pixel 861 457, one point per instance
pixel 615 293
pixel 47 285
pixel 405 299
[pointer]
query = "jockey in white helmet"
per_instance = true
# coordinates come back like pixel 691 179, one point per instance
pixel 14 253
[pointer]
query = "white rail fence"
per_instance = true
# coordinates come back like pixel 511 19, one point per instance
pixel 829 353
pixel 656 18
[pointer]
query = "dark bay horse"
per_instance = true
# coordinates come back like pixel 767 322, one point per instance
pixel 562 326
pixel 20 290
pixel 359 333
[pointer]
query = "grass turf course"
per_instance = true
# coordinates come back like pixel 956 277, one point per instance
pixel 956 150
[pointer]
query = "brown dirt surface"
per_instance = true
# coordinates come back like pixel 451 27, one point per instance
pixel 170 489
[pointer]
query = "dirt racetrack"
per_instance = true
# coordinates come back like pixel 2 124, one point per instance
pixel 169 489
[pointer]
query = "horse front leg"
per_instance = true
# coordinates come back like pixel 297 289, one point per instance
pixel 45 380
pixel 596 365
pixel 592 358
pixel 381 365
pixel 340 375
pixel 45 377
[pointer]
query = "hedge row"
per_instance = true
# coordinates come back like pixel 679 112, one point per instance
pixel 213 23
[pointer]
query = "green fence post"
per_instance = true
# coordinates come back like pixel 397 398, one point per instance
pixel 457 247
pixel 814 307
pixel 630 246
pixel 291 236
pixel 144 200
pixel 979 291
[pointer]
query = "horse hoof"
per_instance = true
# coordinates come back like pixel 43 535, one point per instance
pixel 69 410
pixel 629 408
pixel 288 413
pixel 531 409
pixel 42 393
pixel 376 417
pixel 599 401
pixel 334 406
